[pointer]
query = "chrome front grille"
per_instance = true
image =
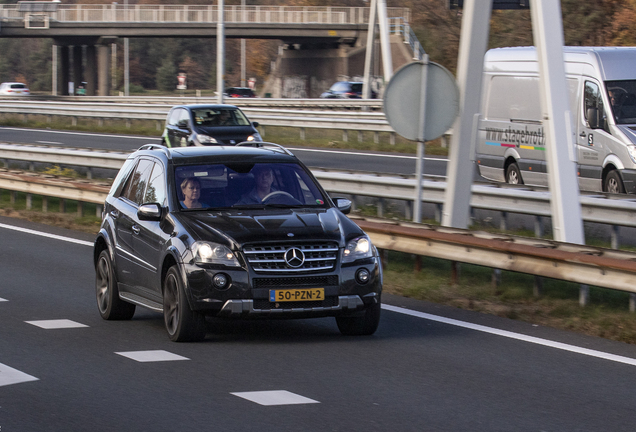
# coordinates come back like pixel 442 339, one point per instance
pixel 272 258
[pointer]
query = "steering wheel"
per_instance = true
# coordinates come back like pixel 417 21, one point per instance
pixel 274 194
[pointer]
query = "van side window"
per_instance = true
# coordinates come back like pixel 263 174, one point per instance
pixel 593 104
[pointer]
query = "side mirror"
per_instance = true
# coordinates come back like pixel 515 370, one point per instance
pixel 255 124
pixel 343 204
pixel 592 117
pixel 149 212
pixel 183 124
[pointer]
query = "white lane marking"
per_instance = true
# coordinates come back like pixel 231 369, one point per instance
pixel 56 324
pixel 1 300
pixel 274 397
pixel 397 156
pixel 151 356
pixel 47 235
pixel 49 142
pixel 9 376
pixel 80 133
pixel 511 335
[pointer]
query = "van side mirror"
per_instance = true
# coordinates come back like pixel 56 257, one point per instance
pixel 343 204
pixel 592 117
pixel 149 212
pixel 183 124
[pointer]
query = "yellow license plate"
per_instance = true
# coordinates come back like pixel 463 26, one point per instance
pixel 306 294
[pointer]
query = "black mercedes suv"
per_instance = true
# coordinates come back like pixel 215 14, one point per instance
pixel 231 231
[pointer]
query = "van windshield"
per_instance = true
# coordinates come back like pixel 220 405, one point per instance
pixel 622 97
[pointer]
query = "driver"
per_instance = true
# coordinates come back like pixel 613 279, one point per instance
pixel 264 177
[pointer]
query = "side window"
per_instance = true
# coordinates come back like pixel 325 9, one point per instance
pixel 593 106
pixel 122 176
pixel 156 191
pixel 174 117
pixel 136 185
pixel 184 116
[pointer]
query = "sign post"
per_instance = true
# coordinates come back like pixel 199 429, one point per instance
pixel 421 118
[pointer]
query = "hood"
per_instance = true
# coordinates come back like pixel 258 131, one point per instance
pixel 629 132
pixel 227 133
pixel 250 226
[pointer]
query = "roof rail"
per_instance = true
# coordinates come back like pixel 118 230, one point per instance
pixel 156 147
pixel 273 146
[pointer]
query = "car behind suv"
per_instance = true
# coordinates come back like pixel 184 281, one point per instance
pixel 188 232
pixel 197 125
pixel 14 89
pixel 346 90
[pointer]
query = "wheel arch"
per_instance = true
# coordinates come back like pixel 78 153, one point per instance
pixel 102 242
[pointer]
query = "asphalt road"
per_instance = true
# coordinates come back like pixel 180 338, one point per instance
pixel 428 367
pixel 376 162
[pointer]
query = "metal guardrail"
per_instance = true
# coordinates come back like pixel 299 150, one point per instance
pixel 352 120
pixel 575 263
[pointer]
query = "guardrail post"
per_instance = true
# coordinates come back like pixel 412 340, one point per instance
pixel 74 121
pixel 128 124
pixel 12 195
pixel 262 130
pixel 98 211
pixel 158 125
pixel 354 202
pixel 538 227
pixel 392 138
pixel 62 205
pixel 503 223
pixel 302 134
pixel 615 238
pixel 100 122
pixel 417 266
pixel 89 173
pixel 380 207
pixel 455 269
pixel 25 118
pixel 584 295
pixel 632 302
pixel 438 212
pixel 49 119
pixel 80 209
pixel 29 201
pixel 45 204
pixel 345 135
pixel 376 137
pixel 537 287
pixel 360 137
pixel 496 280
pixel 408 210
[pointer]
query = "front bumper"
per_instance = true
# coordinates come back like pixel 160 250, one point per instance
pixel 345 304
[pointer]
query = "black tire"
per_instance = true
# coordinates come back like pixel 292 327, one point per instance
pixel 362 325
pixel 182 323
pixel 613 183
pixel 110 306
pixel 513 174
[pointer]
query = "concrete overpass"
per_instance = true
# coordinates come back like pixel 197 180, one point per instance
pixel 321 32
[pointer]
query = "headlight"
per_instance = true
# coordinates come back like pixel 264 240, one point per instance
pixel 632 152
pixel 357 248
pixel 205 139
pixel 213 253
pixel 255 137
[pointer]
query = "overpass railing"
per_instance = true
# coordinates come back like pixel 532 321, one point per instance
pixel 206 13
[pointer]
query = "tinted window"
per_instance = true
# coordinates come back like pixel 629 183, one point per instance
pixel 136 184
pixel 235 184
pixel 593 98
pixel 357 87
pixel 622 97
pixel 156 191
pixel 219 117
pixel 122 176
pixel 18 86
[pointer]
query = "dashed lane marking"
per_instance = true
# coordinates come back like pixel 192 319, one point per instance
pixel 151 356
pixel 274 397
pixel 56 324
pixel 47 235
pixel 8 376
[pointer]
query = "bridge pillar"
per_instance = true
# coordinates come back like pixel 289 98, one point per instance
pixel 77 66
pixel 91 70
pixel 65 71
pixel 103 70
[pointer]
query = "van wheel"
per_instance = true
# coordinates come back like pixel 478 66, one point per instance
pixel 182 323
pixel 513 175
pixel 614 183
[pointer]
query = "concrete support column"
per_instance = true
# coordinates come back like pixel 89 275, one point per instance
pixel 91 70
pixel 103 70
pixel 77 66
pixel 66 71
pixel 54 67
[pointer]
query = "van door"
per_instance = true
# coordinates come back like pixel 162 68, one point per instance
pixel 593 138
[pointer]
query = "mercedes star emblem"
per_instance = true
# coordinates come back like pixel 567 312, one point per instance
pixel 294 257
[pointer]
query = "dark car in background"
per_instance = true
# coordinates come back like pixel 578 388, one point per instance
pixel 291 254
pixel 240 92
pixel 346 90
pixel 197 125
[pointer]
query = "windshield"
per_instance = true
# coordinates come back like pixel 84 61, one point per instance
pixel 246 185
pixel 219 117
pixel 622 97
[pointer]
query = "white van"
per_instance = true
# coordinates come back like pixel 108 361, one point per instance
pixel 602 92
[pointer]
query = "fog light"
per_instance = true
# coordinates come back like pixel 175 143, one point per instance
pixel 362 276
pixel 220 281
